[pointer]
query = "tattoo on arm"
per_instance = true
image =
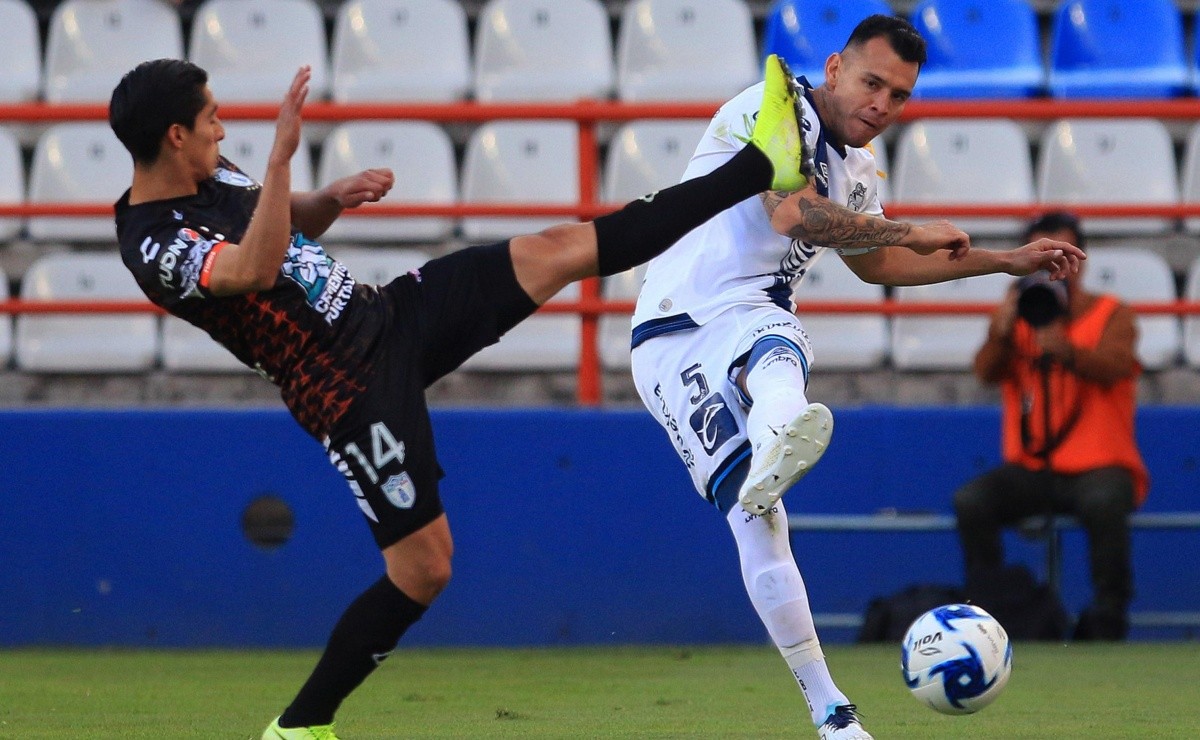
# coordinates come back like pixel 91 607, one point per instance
pixel 828 224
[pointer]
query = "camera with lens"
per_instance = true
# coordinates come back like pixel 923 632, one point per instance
pixel 1041 300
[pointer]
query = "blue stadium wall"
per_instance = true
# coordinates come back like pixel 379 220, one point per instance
pixel 571 527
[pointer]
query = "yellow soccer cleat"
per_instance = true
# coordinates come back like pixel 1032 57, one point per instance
pixel 776 129
pixel 316 732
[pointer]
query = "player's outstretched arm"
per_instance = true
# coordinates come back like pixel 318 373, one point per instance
pixel 893 266
pixel 253 264
pixel 809 217
pixel 315 211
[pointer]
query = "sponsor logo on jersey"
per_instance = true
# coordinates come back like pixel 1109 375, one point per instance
pixel 232 177
pixel 180 264
pixel 713 423
pixel 327 284
pixel 858 197
pixel 400 491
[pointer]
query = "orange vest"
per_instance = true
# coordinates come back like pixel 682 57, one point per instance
pixel 1099 419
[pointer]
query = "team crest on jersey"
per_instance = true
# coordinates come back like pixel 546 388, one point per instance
pixel 327 284
pixel 400 491
pixel 232 177
pixel 713 423
pixel 858 197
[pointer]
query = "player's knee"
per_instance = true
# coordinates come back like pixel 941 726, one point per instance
pixel 422 579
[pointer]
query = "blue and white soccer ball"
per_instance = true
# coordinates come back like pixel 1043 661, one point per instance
pixel 956 658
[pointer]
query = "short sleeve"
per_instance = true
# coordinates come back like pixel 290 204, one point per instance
pixel 172 263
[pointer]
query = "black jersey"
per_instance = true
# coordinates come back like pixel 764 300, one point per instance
pixel 312 333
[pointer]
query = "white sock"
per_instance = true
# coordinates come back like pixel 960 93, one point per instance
pixel 777 591
pixel 776 385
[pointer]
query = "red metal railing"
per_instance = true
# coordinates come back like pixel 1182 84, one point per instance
pixel 587 114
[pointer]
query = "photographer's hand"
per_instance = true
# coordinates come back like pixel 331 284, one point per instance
pixel 1053 340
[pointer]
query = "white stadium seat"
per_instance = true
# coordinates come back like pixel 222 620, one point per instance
pixel 248 145
pixel 546 342
pixel 92 43
pixel 20 52
pixel 543 50
pixel 519 162
pixel 1191 325
pixel 616 329
pixel 420 154
pixel 685 50
pixel 944 342
pixel 84 343
pixel 985 162
pixel 1136 275
pixel 252 48
pixel 842 341
pixel 12 182
pixel 77 162
pixel 1120 160
pixel 649 155
pixel 400 50
pixel 1189 189
pixel 379 265
pixel 186 348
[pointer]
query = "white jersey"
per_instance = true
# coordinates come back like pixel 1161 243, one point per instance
pixel 735 258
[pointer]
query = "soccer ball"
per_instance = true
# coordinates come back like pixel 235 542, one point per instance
pixel 956 658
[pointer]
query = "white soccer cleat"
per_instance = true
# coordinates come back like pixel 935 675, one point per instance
pixel 843 724
pixel 779 463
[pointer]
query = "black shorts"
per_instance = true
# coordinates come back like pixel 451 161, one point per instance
pixel 439 316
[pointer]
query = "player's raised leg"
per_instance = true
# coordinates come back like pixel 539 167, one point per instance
pixel 546 262
pixel 788 435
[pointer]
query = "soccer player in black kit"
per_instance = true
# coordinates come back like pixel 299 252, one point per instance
pixel 238 259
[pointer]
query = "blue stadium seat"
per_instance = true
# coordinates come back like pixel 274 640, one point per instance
pixel 979 49
pixel 1118 49
pixel 805 32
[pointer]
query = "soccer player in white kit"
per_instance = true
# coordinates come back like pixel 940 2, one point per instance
pixel 722 361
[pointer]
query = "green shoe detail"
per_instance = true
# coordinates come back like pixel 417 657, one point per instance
pixel 316 732
pixel 777 128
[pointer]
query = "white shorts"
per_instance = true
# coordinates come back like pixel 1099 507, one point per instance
pixel 686 380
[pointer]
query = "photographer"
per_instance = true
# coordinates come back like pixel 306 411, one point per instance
pixel 1065 363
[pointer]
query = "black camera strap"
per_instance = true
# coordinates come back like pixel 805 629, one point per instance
pixel 1056 438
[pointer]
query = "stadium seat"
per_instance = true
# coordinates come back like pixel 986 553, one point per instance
pixel 12 182
pixel 248 145
pixel 842 341
pixel 186 348
pixel 944 342
pixel 20 52
pixel 616 329
pixel 968 162
pixel 379 265
pixel 400 50
pixel 84 343
pixel 545 342
pixel 1117 49
pixel 92 43
pixel 649 155
pixel 519 162
pixel 77 162
pixel 979 49
pixel 406 147
pixel 1189 188
pixel 1118 160
pixel 805 32
pixel 666 50
pixel 1137 275
pixel 1191 324
pixel 252 48
pixel 543 50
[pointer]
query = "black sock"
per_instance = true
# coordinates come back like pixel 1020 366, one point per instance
pixel 644 229
pixel 365 635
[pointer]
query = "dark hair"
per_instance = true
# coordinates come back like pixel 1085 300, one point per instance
pixel 905 40
pixel 1056 221
pixel 151 98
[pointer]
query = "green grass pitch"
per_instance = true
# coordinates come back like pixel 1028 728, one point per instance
pixel 1132 690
